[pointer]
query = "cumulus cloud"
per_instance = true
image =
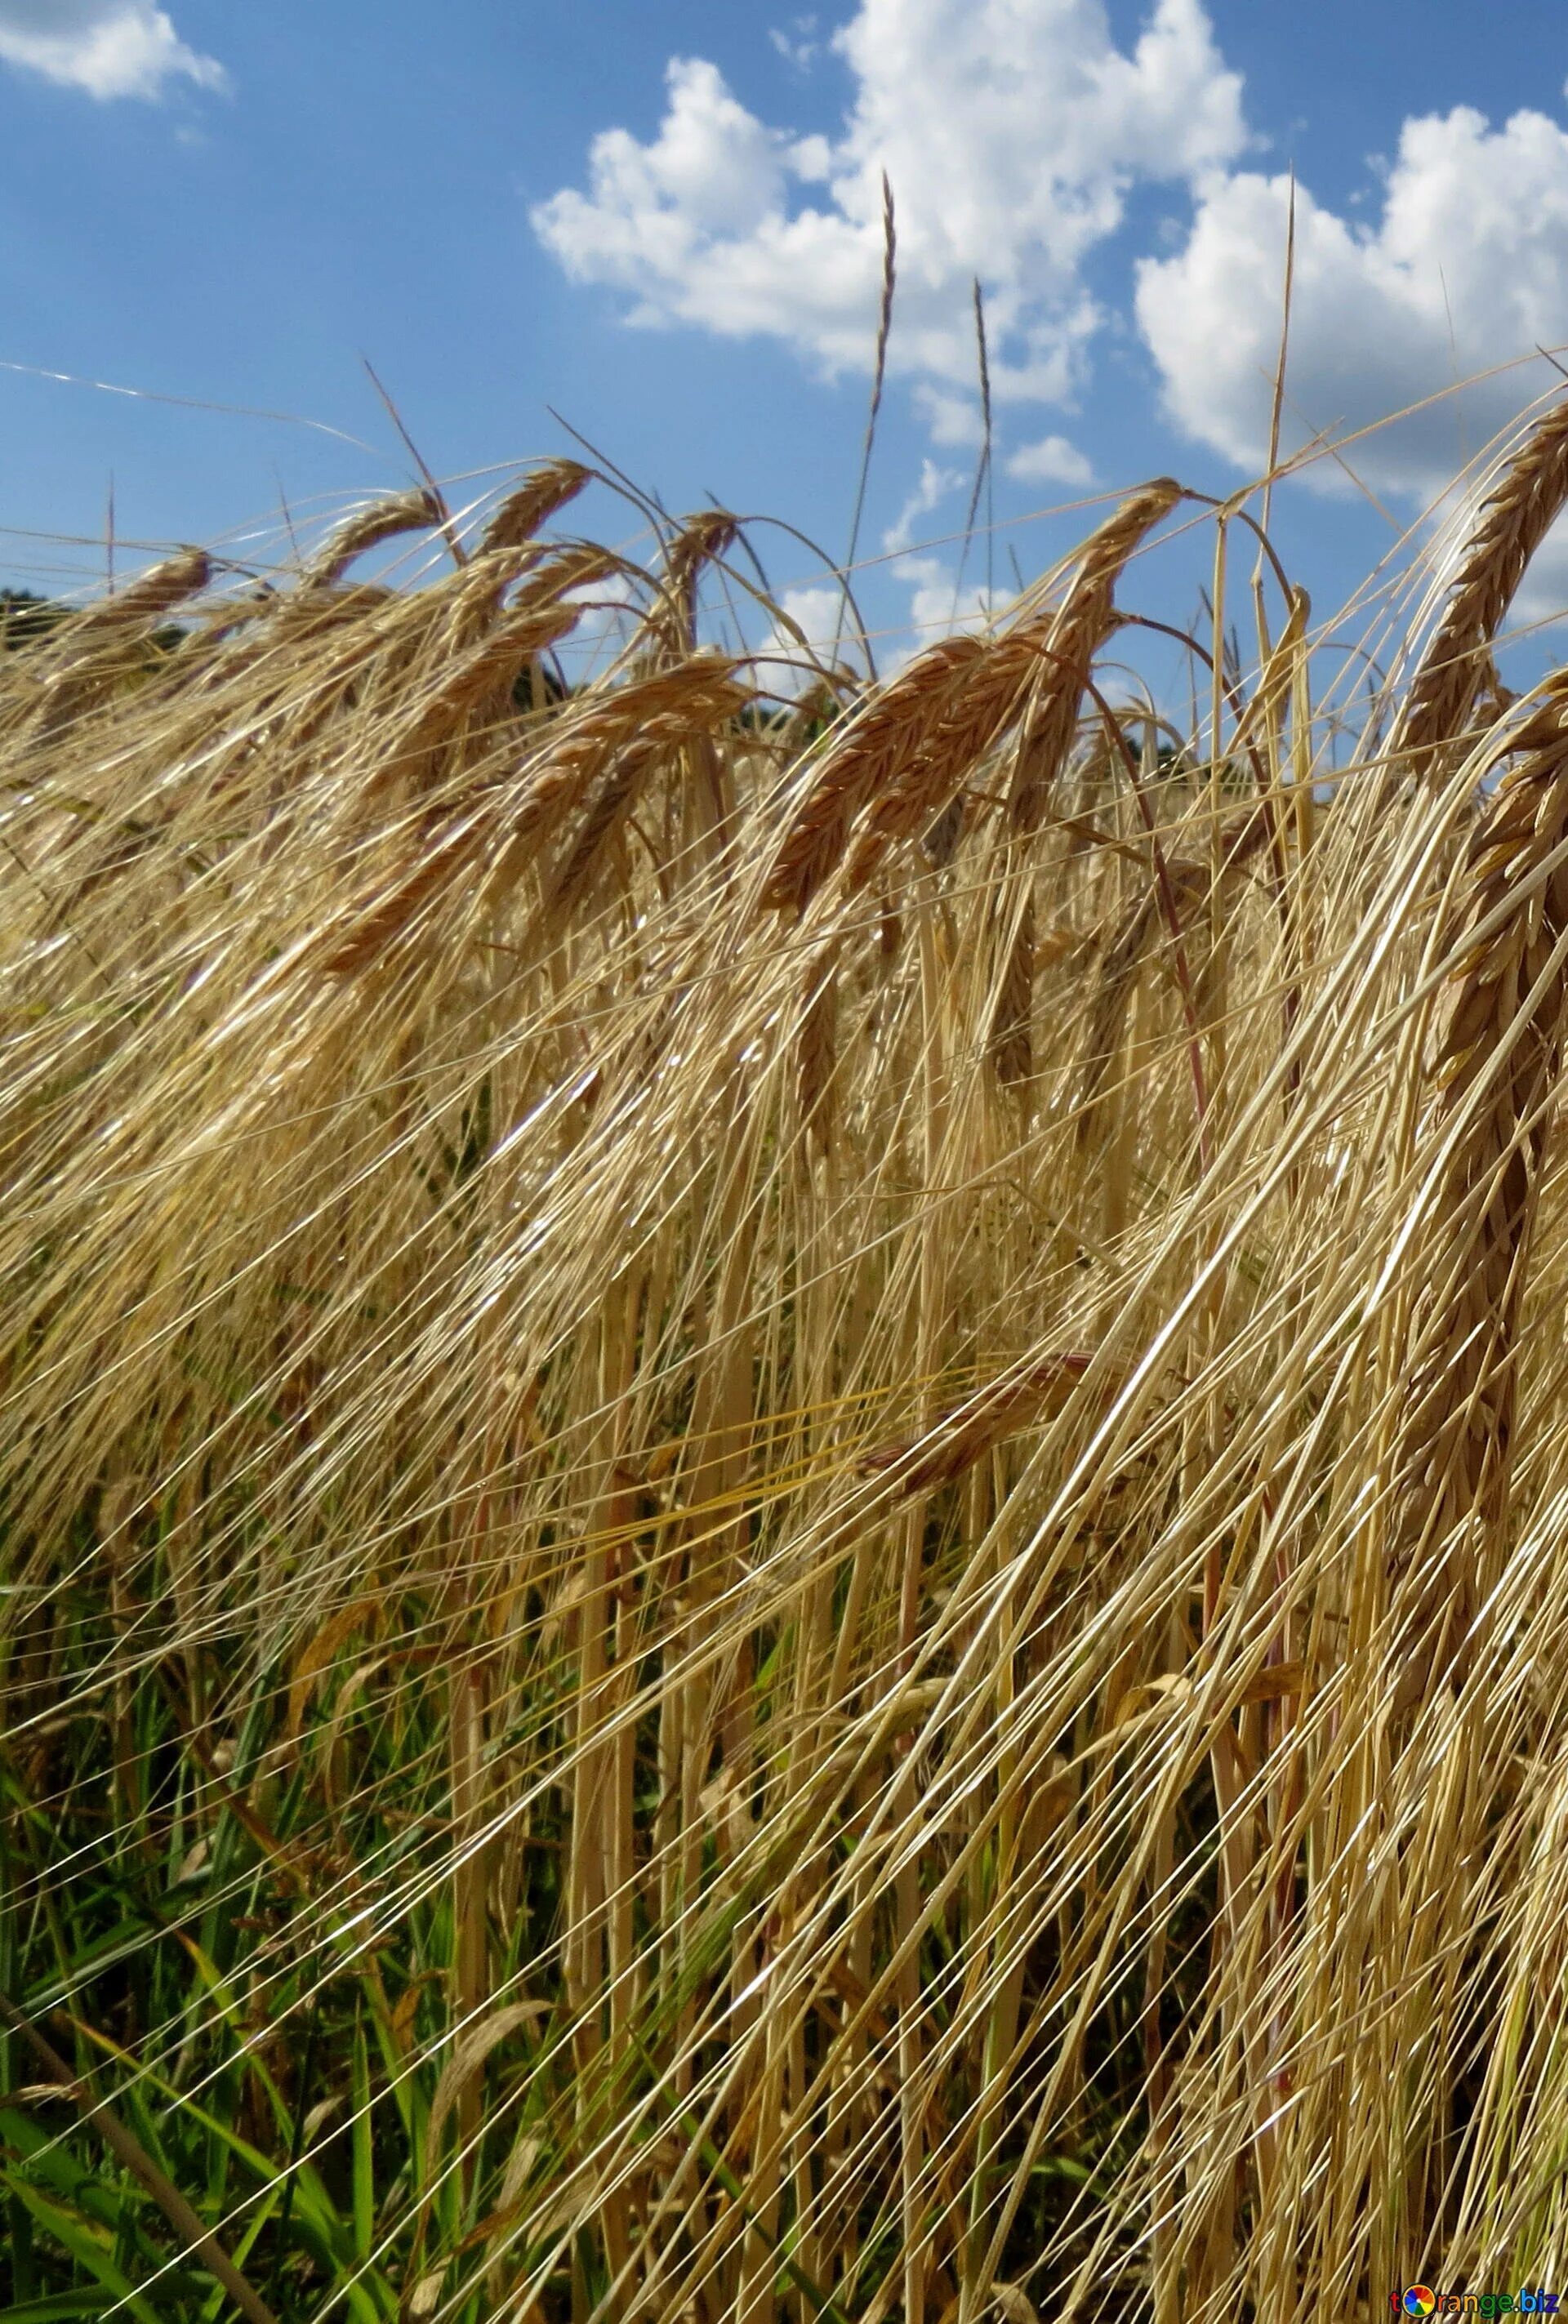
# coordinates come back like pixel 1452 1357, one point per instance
pixel 937 600
pixel 1012 132
pixel 938 604
pixel 1051 461
pixel 795 45
pixel 935 484
pixel 953 419
pixel 818 611
pixel 109 48
pixel 1466 267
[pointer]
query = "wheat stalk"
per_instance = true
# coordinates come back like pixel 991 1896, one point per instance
pixel 1495 1067
pixel 884 736
pixel 1059 642
pixel 1085 619
pixel 514 1486
pixel 367 527
pixel 550 487
pixel 1513 521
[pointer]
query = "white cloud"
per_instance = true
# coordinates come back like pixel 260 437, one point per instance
pixel 1052 461
pixel 1011 130
pixel 935 484
pixel 953 419
pixel 796 45
pixel 936 606
pixel 938 600
pixel 815 610
pixel 1464 267
pixel 820 611
pixel 109 48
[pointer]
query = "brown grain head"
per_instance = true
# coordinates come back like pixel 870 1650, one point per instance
pixel 1454 667
pixel 672 619
pixel 879 741
pixel 1497 1061
pixel 967 1432
pixel 481 677
pixel 1007 676
pixel 706 699
pixel 79 668
pixel 817 1053
pixel 547 489
pixel 1188 880
pixel 367 527
pixel 1070 636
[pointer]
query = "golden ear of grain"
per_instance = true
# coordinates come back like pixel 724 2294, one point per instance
pixel 693 696
pixel 1011 1035
pixel 545 491
pixel 79 667
pixel 1107 1012
pixel 879 741
pixel 673 619
pixel 1457 662
pixel 366 529
pixel 1189 879
pixel 1008 675
pixel 537 617
pixel 144 600
pixel 966 1432
pixel 911 800
pixel 594 765
pixel 1497 1062
pixel 152 593
pixel 1072 635
pixel 369 931
pixel 477 597
pixel 817 1053
pixel 706 698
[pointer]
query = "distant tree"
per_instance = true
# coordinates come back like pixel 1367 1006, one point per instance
pixel 26 618
pixel 537 685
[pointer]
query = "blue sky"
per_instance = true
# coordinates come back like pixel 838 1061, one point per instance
pixel 658 215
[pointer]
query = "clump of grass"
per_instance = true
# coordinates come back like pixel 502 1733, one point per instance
pixel 750 1574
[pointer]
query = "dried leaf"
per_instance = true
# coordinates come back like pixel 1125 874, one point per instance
pixel 468 2056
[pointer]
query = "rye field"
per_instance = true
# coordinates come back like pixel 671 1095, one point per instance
pixel 783 1456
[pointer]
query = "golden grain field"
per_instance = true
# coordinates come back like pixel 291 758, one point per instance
pixel 784 1476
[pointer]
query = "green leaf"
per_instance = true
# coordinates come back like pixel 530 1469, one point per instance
pixel 59 2303
pixel 85 2246
pixel 364 2157
pixel 261 2213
